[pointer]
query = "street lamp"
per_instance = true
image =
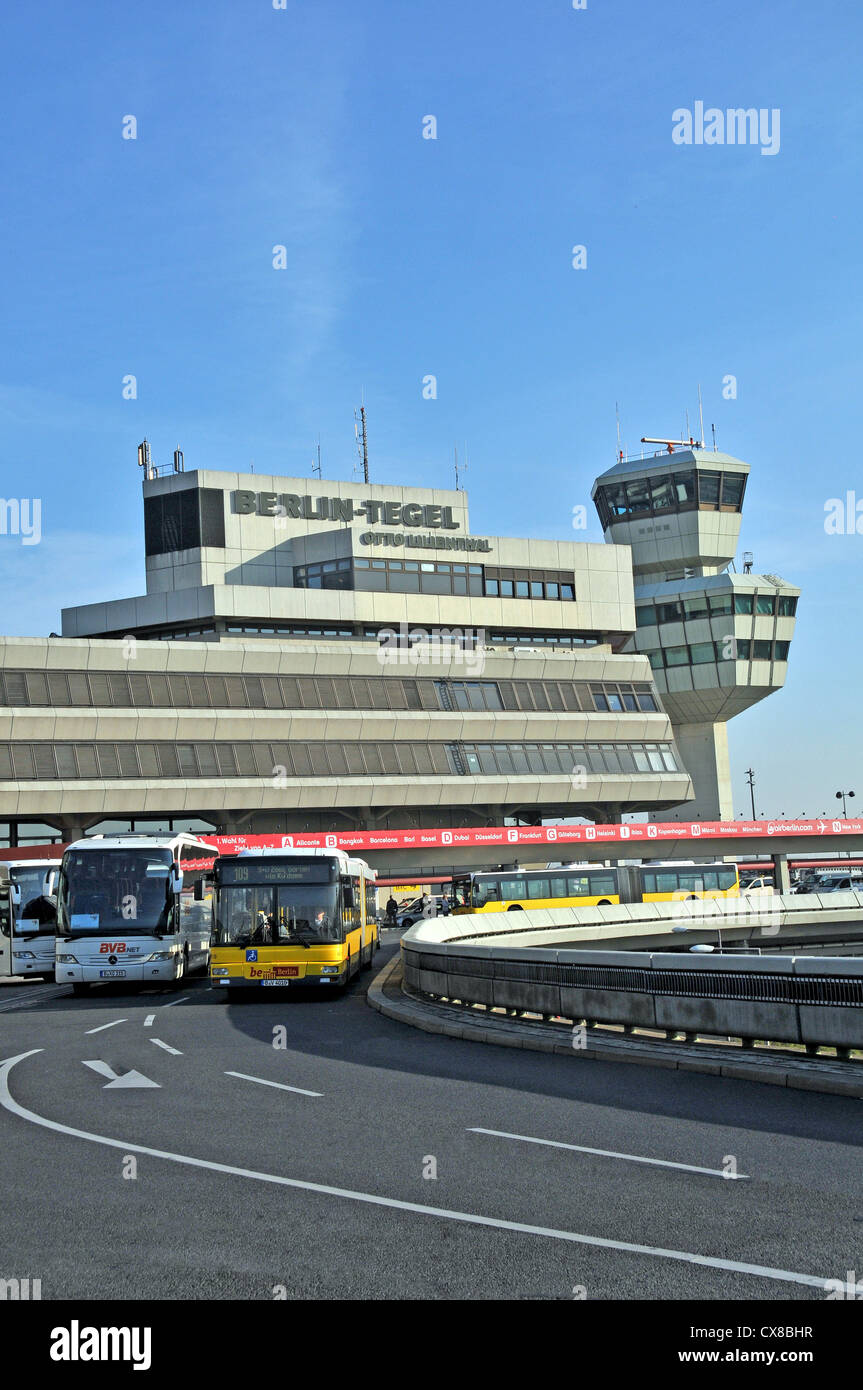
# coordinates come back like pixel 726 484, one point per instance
pixel 843 795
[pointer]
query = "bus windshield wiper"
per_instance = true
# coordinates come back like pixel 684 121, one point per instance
pixel 300 940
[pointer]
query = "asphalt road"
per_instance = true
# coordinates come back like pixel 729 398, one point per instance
pixel 224 1202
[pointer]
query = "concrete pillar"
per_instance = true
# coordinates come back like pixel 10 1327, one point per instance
pixel 704 750
pixel 781 873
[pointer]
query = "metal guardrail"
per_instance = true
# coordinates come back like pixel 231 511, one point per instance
pixel 809 1000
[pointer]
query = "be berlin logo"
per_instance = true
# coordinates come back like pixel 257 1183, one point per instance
pixel 736 126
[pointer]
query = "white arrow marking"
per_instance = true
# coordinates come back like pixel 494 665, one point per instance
pixel 173 1050
pixel 103 1026
pixel 148 1020
pixel 278 1084
pixel 131 1078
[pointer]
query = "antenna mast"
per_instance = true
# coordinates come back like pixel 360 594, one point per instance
pixel 619 449
pixel 362 441
pixel 700 416
pixel 316 467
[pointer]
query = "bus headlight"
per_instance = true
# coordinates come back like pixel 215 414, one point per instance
pixel 329 970
pixel 67 960
pixel 219 970
pixel 23 955
pixel 159 955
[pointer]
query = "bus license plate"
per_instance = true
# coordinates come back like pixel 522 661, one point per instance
pixel 274 982
pixel 112 974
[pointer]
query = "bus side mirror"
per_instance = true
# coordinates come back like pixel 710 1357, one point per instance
pixel 176 879
pixel 199 891
pixel 15 894
pixel 50 883
pixel 348 895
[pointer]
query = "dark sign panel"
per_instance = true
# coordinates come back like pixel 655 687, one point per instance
pixel 254 870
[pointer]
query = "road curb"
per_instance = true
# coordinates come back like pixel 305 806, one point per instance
pixel 387 996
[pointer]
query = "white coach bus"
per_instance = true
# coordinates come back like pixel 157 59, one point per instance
pixel 133 908
pixel 28 926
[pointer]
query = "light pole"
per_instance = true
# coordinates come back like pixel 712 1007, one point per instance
pixel 844 807
pixel 750 777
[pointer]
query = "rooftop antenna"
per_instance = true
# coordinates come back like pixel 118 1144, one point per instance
pixel 144 458
pixel 251 465
pixel 700 417
pixel 619 449
pixel 713 429
pixel 316 467
pixel 179 464
pixel 362 440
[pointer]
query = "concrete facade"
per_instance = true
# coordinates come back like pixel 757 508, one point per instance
pixel 318 655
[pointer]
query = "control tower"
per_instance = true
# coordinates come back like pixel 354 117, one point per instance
pixel 717 639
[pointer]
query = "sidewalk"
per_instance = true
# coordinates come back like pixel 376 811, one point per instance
pixel 472 1024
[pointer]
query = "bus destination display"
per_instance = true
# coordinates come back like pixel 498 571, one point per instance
pixel 263 871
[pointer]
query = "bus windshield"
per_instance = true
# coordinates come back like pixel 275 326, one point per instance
pixel 121 890
pixel 35 914
pixel 265 915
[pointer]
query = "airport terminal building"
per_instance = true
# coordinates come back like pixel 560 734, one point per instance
pixel 317 655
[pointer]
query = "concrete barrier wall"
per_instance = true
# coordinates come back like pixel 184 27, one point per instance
pixel 812 1000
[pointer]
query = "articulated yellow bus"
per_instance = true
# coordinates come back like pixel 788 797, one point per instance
pixel 509 890
pixel 292 917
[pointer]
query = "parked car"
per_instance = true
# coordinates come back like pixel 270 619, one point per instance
pixel 413 911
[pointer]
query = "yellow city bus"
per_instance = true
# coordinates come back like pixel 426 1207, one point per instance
pixel 512 890
pixel 292 917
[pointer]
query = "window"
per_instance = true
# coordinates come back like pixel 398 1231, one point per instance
pixel 676 656
pixel 765 603
pixel 786 607
pixel 684 487
pixel 708 489
pixel 780 650
pixel 720 605
pixel 537 888
pixel 695 607
pixel 645 616
pixel 701 652
pixel 662 493
pixel 668 612
pixel 638 495
pixel 733 485
pixel 743 603
pixel 761 651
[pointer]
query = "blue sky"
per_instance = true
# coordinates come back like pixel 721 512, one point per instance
pixel 407 257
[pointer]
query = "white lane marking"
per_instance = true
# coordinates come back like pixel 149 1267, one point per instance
pixel 103 1026
pixel 173 1050
pixel 610 1153
pixel 468 1218
pixel 148 1021
pixel 298 1090
pixel 124 1082
pixel 172 1002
